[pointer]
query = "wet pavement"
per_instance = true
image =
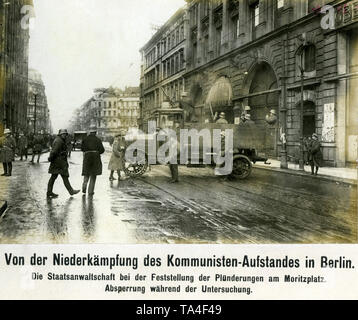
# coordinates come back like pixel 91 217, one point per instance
pixel 268 207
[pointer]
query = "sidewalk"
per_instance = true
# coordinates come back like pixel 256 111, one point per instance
pixel 345 175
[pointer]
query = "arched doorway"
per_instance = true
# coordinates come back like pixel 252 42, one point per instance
pixel 264 79
pixel 219 99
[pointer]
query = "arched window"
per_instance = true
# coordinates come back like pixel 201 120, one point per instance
pixel 309 58
pixel 306 60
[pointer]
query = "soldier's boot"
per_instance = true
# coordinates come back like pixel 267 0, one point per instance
pixel 111 177
pixel 119 174
pixel 316 173
pixel 9 166
pixel 67 184
pixel 312 170
pixel 84 184
pixel 51 182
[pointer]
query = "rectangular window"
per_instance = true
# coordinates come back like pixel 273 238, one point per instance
pixel 257 14
pixel 237 27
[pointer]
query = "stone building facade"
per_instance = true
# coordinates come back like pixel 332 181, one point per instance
pixel 36 88
pixel 14 42
pixel 163 66
pixel 281 55
pixel 110 110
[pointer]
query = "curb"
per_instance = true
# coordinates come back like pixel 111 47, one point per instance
pixel 3 207
pixel 309 176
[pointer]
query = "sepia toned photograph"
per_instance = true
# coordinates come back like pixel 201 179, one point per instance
pixel 178 122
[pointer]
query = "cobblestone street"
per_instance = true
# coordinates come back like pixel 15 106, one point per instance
pixel 269 207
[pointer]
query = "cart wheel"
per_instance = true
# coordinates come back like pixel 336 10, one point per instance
pixel 241 168
pixel 136 169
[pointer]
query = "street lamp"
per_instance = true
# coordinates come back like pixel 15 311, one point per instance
pixel 283 109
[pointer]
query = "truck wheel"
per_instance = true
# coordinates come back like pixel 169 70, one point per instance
pixel 241 168
pixel 136 169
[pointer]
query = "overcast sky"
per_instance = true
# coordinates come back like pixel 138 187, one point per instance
pixel 79 45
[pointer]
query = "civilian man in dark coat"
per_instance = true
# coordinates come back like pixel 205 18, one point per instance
pixel 59 165
pixel 92 149
pixel 22 145
pixel 315 154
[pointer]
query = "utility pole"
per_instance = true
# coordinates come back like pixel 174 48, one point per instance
pixel 283 110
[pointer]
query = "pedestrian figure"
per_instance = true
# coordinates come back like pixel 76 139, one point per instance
pixel 248 119
pixel 7 153
pixel 59 165
pixel 221 119
pixel 173 161
pixel 22 146
pixel 92 148
pixel 69 145
pixel 315 154
pixel 116 163
pixel 37 147
pixel 306 143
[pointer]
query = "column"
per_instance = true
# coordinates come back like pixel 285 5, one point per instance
pixel 342 103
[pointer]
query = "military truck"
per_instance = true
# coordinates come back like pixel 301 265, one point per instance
pixel 248 140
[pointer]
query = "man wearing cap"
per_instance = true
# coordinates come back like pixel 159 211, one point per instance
pixel 315 154
pixel 221 119
pixel 59 165
pixel 7 154
pixel 92 149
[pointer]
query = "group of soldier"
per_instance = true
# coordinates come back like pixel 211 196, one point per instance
pixel 20 144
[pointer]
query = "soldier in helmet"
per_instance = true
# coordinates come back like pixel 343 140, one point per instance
pixel 246 115
pixel 7 152
pixel 59 165
pixel 271 118
pixel 221 119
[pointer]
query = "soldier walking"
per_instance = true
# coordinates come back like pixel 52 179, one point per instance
pixel 92 149
pixel 7 152
pixel 59 165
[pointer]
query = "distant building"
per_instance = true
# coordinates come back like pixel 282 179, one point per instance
pixel 14 42
pixel 163 66
pixel 40 123
pixel 110 110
